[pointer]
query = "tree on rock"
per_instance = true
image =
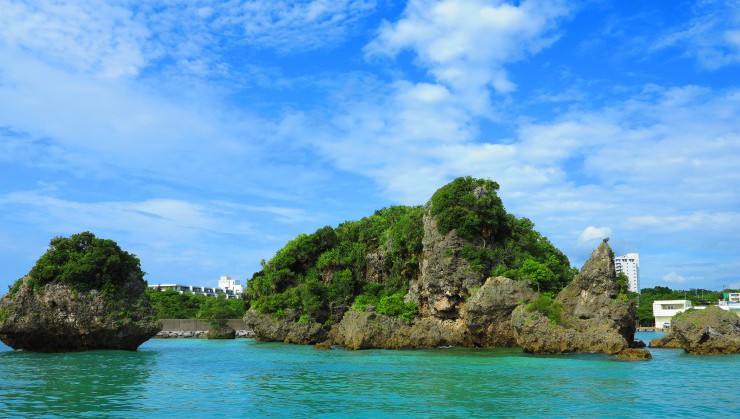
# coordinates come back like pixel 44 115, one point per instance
pixel 85 262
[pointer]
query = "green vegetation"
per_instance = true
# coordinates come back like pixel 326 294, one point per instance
pixel 320 275
pixel 500 243
pixel 547 306
pixel 173 305
pixel 371 261
pixel 622 283
pixel 85 262
pixel 219 309
pixel 390 305
pixel 13 289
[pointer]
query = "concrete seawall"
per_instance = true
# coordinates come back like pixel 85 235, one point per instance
pixel 192 325
pixel 192 328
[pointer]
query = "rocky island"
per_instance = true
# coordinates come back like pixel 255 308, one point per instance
pixel 84 293
pixel 459 271
pixel 710 331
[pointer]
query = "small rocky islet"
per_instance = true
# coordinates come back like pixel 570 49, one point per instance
pixel 710 331
pixel 84 293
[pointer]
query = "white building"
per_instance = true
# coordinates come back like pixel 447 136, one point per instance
pixel 664 310
pixel 629 264
pixel 730 302
pixel 227 283
pixel 227 287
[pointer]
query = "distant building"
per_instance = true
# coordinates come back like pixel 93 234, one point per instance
pixel 731 297
pixel 664 310
pixel 629 264
pixel 227 287
pixel 730 302
pixel 227 283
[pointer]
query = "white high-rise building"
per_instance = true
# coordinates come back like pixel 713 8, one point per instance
pixel 630 265
pixel 227 283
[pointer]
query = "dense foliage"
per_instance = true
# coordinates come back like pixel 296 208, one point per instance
pixel 371 261
pixel 500 243
pixel 85 262
pixel 173 305
pixel 321 274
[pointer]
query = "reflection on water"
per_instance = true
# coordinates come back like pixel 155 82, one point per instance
pixel 73 384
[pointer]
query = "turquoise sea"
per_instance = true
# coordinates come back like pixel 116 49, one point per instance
pixel 243 378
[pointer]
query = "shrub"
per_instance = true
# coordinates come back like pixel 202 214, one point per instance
pixel 393 305
pixel 545 305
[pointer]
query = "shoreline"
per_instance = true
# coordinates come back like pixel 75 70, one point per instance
pixel 198 334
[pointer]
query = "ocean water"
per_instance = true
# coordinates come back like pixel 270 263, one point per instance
pixel 189 378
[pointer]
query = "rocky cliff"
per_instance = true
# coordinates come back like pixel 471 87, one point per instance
pixel 588 315
pixel 481 321
pixel 57 318
pixel 703 332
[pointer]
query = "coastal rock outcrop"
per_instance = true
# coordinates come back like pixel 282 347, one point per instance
pixel 84 293
pixel 484 320
pixel 449 273
pixel 368 330
pixel 288 328
pixel 588 315
pixel 221 332
pixel 487 313
pixel 57 318
pixel 703 332
pixel 666 341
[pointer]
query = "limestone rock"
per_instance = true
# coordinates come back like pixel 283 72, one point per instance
pixel 484 321
pixel 593 318
pixel 487 313
pixel 367 330
pixel 666 341
pixel 224 332
pixel 57 318
pixel 446 278
pixel 270 328
pixel 535 333
pixel 707 332
pixel 635 354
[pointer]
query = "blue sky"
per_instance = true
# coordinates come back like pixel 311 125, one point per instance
pixel 201 135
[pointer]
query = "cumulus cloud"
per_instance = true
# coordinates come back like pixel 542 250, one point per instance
pixel 465 45
pixel 592 233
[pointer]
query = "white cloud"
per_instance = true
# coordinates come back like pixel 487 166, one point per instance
pixel 712 36
pixel 121 39
pixel 592 233
pixel 465 45
pixel 295 25
pixel 94 36
pixel 674 278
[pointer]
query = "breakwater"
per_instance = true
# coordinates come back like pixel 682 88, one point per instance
pixel 198 329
